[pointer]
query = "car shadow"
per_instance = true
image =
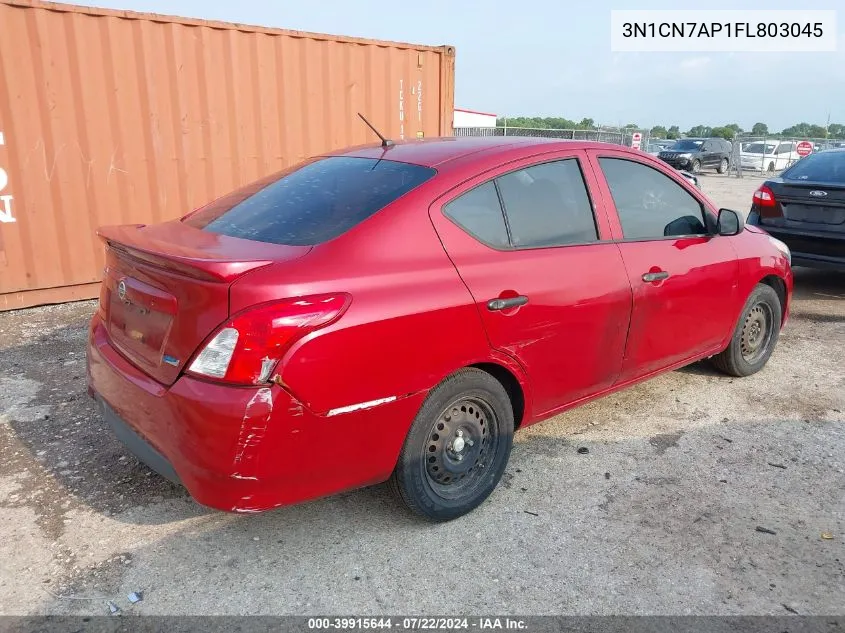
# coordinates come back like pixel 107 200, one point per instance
pixel 701 368
pixel 818 285
pixel 55 433
pixel 818 296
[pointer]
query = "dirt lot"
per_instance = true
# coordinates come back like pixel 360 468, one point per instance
pixel 660 517
pixel 729 191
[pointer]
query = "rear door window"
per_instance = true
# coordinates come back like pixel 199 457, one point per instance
pixel 538 206
pixel 479 213
pixel 548 205
pixel 311 203
pixel 650 204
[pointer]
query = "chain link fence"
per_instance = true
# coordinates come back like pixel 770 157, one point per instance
pixel 617 137
pixel 750 155
pixel 770 155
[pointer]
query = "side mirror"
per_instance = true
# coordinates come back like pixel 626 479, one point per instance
pixel 685 225
pixel 729 222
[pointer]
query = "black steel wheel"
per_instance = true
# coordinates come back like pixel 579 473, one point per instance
pixel 755 335
pixel 461 441
pixel 457 447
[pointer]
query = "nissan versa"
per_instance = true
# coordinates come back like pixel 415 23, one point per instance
pixel 396 312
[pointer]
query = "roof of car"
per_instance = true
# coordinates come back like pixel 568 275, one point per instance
pixel 437 151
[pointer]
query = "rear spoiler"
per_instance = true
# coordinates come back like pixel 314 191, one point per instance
pixel 190 261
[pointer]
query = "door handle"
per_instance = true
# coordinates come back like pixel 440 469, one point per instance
pixel 658 276
pixel 504 304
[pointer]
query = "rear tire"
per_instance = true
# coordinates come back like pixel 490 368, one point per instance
pixel 457 448
pixel 771 168
pixel 755 335
pixel 723 166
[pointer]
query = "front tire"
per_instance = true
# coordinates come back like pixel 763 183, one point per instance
pixel 696 166
pixel 755 336
pixel 457 448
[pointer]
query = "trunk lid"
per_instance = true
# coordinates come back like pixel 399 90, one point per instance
pixel 807 205
pixel 166 288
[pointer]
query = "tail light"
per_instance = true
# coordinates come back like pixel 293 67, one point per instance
pixel 764 197
pixel 246 349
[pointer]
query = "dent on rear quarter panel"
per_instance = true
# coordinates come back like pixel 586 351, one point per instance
pixel 411 321
pixel 257 415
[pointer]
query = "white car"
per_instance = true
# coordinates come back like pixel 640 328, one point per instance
pixel 769 156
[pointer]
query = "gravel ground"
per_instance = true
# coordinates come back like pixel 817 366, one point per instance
pixel 729 191
pixel 662 516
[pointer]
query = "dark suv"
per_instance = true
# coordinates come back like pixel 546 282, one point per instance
pixel 696 153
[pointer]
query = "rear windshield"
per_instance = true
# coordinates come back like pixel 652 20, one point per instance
pixel 821 167
pixel 312 203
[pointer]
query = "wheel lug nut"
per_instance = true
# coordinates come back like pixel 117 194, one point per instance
pixel 460 433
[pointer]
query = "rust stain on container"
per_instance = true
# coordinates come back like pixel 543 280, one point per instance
pixel 110 117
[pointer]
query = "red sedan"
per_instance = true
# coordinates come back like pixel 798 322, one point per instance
pixel 396 313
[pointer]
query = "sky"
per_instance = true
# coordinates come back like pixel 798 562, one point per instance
pixel 553 58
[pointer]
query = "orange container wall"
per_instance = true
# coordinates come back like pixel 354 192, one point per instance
pixel 111 117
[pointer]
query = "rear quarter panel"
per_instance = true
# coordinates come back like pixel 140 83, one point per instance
pixel 411 321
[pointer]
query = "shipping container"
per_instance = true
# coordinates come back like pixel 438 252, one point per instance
pixel 114 117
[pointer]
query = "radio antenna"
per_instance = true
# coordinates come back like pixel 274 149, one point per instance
pixel 385 142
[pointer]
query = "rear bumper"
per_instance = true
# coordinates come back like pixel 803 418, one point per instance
pixel 244 449
pixel 142 449
pixel 813 249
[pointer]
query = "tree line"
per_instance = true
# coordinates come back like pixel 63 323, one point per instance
pixel 729 131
